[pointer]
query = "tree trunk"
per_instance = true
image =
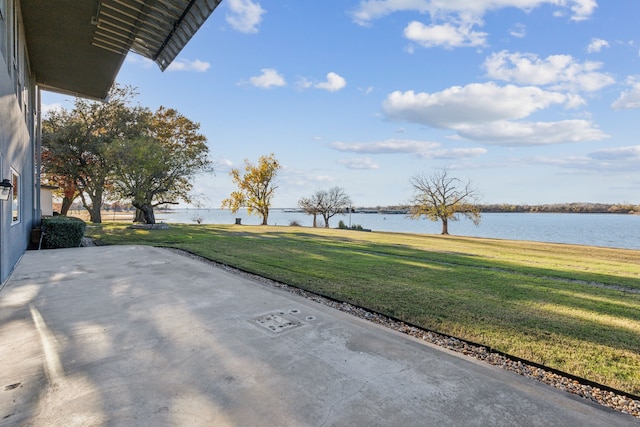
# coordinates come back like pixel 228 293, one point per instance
pixel 69 195
pixel 139 216
pixel 445 226
pixel 149 216
pixel 94 214
pixel 66 205
pixel 326 220
pixel 315 224
pixel 93 209
pixel 144 213
pixel 265 215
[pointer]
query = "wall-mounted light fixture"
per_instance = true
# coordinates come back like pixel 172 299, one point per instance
pixel 5 189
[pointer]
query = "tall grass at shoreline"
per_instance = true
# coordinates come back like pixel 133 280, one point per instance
pixel 573 308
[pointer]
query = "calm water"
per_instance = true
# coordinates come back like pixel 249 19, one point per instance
pixel 610 230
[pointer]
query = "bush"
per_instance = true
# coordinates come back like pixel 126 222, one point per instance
pixel 343 226
pixel 294 223
pixel 62 232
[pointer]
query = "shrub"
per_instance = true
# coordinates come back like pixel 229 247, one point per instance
pixel 294 223
pixel 343 226
pixel 63 232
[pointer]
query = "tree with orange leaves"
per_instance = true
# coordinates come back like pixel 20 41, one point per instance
pixel 255 188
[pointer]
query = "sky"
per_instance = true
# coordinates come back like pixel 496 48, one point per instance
pixel 533 101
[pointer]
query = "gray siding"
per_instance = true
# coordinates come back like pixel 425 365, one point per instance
pixel 17 138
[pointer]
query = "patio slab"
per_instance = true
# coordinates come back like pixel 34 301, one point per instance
pixel 140 336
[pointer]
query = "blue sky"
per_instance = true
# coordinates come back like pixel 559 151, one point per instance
pixel 534 101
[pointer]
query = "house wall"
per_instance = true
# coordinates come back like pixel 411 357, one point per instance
pixel 17 139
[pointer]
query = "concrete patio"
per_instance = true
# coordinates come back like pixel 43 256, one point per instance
pixel 140 336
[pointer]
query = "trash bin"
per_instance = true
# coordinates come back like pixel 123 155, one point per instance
pixel 238 221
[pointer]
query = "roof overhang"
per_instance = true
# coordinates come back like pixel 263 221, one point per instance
pixel 77 47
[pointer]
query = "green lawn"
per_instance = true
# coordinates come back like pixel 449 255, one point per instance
pixel 573 308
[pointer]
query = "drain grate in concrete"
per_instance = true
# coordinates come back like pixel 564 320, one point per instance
pixel 275 323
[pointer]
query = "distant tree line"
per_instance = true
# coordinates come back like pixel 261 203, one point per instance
pixel 564 208
pixel 618 208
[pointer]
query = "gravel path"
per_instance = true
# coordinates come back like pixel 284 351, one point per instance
pixel 617 401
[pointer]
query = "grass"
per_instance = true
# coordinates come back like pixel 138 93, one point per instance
pixel 573 308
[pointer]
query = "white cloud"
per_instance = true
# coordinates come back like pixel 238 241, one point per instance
pixel 492 114
pixel 444 35
pixel 453 22
pixel 48 108
pixel 267 79
pixel 474 103
pixel 369 10
pixel 323 178
pixel 556 71
pixel 389 146
pixel 518 31
pixel 596 45
pixel 303 83
pixel 533 133
pixel 367 90
pixel 628 153
pixel 359 163
pixel 186 65
pixel 177 65
pixel 631 98
pixel 609 160
pixel 421 149
pixel 134 58
pixel 244 15
pixel 224 163
pixel 582 9
pixel 334 83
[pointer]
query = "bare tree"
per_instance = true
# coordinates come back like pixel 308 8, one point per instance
pixel 335 201
pixel 311 205
pixel 442 197
pixel 327 203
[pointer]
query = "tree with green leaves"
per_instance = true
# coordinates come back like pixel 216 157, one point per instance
pixel 443 197
pixel 158 168
pixel 59 162
pixel 255 187
pixel 74 144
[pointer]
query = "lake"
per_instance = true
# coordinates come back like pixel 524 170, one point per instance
pixel 608 230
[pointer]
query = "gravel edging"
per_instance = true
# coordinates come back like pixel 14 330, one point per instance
pixel 587 390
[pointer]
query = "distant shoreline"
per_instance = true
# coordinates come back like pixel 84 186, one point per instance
pixel 569 208
pixel 618 208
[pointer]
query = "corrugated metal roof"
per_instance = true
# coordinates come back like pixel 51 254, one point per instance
pixel 78 46
pixel 155 29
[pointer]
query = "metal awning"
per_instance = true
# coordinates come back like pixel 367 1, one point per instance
pixel 157 30
pixel 78 47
